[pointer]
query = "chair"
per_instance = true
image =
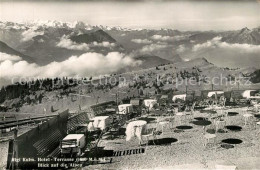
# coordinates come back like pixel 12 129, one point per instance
pixel 208 137
pixel 171 122
pixel 257 124
pixel 192 108
pixel 220 124
pixel 190 112
pixel 247 117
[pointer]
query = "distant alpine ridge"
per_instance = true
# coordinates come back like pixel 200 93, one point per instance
pixel 43 42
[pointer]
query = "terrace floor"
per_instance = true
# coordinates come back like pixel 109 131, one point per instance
pixel 188 150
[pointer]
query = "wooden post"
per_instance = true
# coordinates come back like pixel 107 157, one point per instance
pixel 186 92
pixel 15 150
pixel 116 98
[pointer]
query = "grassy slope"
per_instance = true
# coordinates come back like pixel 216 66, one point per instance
pixel 206 68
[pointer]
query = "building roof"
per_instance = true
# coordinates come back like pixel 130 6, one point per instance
pixel 125 105
pixel 73 136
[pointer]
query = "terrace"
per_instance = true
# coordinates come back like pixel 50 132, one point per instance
pixel 209 136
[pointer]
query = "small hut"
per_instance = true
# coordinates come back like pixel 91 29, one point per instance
pixel 179 97
pixel 216 94
pixel 150 103
pixel 124 109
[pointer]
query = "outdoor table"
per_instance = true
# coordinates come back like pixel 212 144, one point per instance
pixel 135 128
pixel 101 122
pixel 247 116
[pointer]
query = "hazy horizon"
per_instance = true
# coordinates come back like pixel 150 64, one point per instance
pixel 185 16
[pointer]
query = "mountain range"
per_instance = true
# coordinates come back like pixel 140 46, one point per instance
pixel 43 43
pixel 96 36
pixel 244 36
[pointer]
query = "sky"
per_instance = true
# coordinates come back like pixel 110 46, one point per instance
pixel 181 15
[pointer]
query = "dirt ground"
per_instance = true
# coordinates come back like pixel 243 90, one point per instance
pixel 189 151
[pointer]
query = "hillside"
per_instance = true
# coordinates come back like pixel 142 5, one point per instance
pixel 170 76
pixel 4 48
pixel 145 62
pixel 255 76
pixel 151 61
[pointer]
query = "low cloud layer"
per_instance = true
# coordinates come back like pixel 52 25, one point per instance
pixel 169 38
pixel 161 38
pixel 102 44
pixel 30 33
pixel 153 47
pixel 4 56
pixel 217 43
pixel 88 64
pixel 141 41
pixel 67 43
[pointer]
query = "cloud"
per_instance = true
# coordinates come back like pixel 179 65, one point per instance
pixel 169 38
pixel 4 56
pixel 216 42
pixel 209 44
pixel 102 44
pixel 248 48
pixel 67 43
pixel 30 33
pixel 181 48
pixel 161 38
pixel 141 41
pixel 153 47
pixel 87 64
